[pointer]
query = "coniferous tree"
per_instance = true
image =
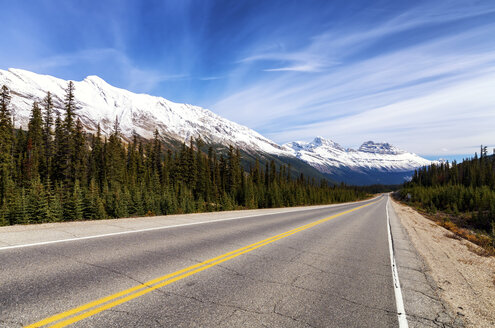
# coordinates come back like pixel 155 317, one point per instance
pixel 59 157
pixel 46 163
pixel 73 204
pixel 68 151
pixel 6 139
pixel 35 151
pixel 56 172
pixel 38 206
pixel 79 156
pixel 465 189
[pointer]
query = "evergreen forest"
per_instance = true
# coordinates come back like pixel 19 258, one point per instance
pixel 466 190
pixel 54 171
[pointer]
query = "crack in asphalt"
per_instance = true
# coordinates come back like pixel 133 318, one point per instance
pixel 292 284
pixel 96 266
pixel 444 312
pixel 234 307
pixel 289 316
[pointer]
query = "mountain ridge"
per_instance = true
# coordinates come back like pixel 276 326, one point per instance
pixel 369 160
pixel 100 103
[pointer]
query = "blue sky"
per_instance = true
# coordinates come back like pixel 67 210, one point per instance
pixel 418 74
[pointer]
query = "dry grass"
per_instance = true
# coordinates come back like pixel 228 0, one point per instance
pixel 452 235
pixel 484 241
pixel 452 223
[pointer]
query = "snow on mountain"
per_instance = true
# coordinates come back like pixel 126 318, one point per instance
pixel 99 102
pixel 328 156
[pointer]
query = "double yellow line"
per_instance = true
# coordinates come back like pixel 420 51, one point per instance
pixel 77 314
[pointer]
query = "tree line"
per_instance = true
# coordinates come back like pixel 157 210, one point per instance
pixel 55 171
pixel 458 188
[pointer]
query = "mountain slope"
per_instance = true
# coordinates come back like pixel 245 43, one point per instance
pixel 371 163
pixel 102 103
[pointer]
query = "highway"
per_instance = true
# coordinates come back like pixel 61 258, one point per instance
pixel 313 267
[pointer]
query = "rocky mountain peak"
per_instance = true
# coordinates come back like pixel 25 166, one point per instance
pixel 380 148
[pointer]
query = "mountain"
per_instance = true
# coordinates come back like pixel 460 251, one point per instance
pixel 100 103
pixel 370 163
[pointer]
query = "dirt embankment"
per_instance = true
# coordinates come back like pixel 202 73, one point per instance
pixel 466 279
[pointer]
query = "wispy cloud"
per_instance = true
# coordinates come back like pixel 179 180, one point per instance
pixel 130 76
pixel 298 68
pixel 211 78
pixel 375 85
pixel 416 74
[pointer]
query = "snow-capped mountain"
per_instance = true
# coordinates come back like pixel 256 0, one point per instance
pixel 370 159
pixel 99 102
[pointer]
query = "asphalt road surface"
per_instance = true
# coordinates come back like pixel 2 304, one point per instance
pixel 315 267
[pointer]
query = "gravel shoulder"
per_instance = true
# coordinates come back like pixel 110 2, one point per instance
pixel 465 280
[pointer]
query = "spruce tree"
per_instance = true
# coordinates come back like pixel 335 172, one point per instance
pixel 38 205
pixel 59 156
pixel 73 204
pixel 157 155
pixel 68 141
pixel 96 164
pixel 6 139
pixel 46 168
pixel 70 108
pixel 35 151
pixel 79 156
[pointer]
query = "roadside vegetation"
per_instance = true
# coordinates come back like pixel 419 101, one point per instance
pixel 459 196
pixel 55 171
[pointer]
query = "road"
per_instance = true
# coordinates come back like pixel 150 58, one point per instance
pixel 314 267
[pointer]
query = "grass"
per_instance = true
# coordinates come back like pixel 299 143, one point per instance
pixel 459 226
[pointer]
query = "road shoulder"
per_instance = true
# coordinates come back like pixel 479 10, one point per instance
pixel 423 304
pixel 440 272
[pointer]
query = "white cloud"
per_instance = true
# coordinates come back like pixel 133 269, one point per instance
pixel 435 95
pixel 130 75
pixel 460 117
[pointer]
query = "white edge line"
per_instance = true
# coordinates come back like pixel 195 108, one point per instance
pixel 401 312
pixel 163 227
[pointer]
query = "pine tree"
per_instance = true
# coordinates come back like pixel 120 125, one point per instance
pixel 96 159
pixel 73 204
pixel 79 155
pixel 21 208
pixel 157 156
pixel 46 163
pixel 6 139
pixel 59 157
pixel 35 150
pixel 56 209
pixel 115 163
pixel 70 108
pixel 68 151
pixel 38 207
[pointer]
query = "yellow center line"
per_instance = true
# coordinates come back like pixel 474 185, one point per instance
pixel 159 282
